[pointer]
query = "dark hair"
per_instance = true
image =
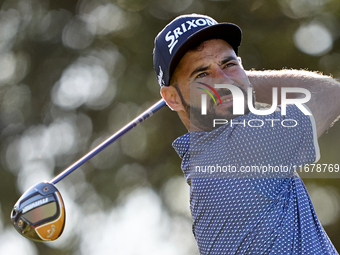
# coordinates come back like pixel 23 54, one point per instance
pixel 197 46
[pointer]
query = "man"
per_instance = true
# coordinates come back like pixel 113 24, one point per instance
pixel 245 197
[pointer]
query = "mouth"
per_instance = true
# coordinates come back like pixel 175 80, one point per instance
pixel 225 100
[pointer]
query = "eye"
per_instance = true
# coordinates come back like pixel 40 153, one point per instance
pixel 230 64
pixel 201 75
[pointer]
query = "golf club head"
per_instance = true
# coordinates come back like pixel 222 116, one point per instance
pixel 39 214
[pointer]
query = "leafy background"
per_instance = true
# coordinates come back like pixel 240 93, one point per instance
pixel 74 72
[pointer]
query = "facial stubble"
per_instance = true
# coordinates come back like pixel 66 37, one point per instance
pixel 205 122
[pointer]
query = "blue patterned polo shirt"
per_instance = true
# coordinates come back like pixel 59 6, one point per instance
pixel 245 195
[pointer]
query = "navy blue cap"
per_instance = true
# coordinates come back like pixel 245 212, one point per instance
pixel 180 34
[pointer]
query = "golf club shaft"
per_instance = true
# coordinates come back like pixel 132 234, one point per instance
pixel 139 119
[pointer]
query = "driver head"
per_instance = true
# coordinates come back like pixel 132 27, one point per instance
pixel 39 214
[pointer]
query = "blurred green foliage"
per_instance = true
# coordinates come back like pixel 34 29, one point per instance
pixel 46 47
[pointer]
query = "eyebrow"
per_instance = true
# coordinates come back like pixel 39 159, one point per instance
pixel 227 59
pixel 202 68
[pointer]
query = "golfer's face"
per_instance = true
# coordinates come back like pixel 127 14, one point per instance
pixel 214 62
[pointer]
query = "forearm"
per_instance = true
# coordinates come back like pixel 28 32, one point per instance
pixel 264 81
pixel 325 92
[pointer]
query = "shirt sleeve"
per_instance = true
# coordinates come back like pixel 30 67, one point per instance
pixel 273 139
pixel 305 131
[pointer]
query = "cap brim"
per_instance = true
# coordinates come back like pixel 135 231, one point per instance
pixel 229 32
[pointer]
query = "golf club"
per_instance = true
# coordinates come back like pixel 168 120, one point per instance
pixel 39 214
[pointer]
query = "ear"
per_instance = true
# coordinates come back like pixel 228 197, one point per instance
pixel 172 99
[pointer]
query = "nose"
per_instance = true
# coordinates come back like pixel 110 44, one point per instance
pixel 221 77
